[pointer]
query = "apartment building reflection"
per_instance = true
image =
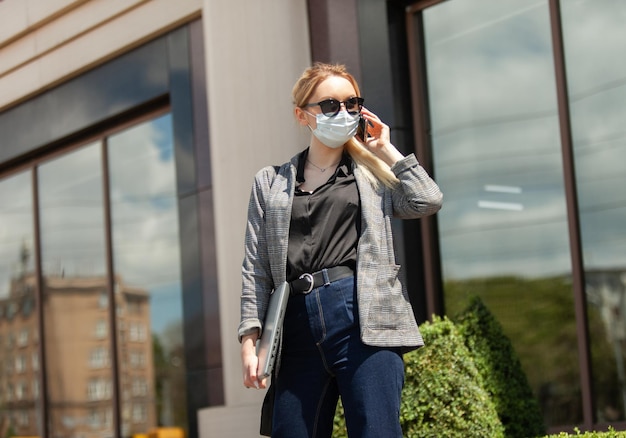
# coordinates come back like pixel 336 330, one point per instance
pixel 79 363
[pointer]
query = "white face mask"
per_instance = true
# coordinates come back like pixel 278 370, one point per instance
pixel 335 131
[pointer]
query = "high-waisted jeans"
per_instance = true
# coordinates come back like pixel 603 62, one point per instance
pixel 323 358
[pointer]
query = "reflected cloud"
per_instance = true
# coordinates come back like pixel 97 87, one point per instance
pixel 144 204
pixel 72 214
pixel 510 206
pixel 492 59
pixel 597 88
pixel 492 96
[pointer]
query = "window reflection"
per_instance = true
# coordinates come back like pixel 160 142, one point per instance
pixel 20 405
pixel 496 146
pixel 147 266
pixel 594 38
pixel 72 253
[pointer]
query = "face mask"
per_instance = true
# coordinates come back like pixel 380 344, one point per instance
pixel 335 131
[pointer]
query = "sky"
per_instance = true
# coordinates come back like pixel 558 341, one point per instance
pixel 496 139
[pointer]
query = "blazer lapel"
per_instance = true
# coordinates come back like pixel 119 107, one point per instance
pixel 278 217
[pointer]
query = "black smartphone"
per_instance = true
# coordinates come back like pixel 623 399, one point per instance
pixel 361 132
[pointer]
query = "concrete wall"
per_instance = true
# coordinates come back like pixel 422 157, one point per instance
pixel 255 51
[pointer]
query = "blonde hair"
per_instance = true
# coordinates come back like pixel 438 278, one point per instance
pixel 376 170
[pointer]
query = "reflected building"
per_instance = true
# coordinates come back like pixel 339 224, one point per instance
pixel 79 379
pixel 606 294
pixel 131 133
pixel 20 390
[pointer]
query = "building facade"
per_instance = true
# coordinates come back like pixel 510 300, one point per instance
pixel 130 134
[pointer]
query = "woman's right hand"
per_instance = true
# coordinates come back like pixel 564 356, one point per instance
pixel 250 363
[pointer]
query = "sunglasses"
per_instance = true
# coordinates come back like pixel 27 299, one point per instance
pixel 331 107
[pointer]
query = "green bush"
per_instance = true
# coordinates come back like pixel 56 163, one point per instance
pixel 339 424
pixel 610 434
pixel 501 371
pixel 443 394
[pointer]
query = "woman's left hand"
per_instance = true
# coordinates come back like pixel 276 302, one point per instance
pixel 378 140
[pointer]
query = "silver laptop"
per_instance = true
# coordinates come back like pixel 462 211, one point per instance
pixel 267 347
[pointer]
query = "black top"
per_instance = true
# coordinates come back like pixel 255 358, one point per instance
pixel 325 224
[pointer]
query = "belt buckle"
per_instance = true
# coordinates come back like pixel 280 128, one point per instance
pixel 309 278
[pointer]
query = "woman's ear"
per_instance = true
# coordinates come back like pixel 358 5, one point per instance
pixel 300 116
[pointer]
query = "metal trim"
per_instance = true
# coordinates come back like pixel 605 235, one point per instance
pixel 571 199
pixel 423 148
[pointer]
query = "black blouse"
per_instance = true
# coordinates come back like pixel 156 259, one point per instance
pixel 325 224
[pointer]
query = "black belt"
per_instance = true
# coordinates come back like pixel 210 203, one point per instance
pixel 307 282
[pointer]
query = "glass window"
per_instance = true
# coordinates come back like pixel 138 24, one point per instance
pixel 17 304
pixel 496 147
pixel 102 329
pixel 74 271
pixel 144 216
pixel 20 363
pixel 22 338
pixel 594 38
pixel 35 360
pixel 99 358
pixel 147 287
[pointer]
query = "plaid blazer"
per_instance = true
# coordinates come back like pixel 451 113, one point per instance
pixel 385 313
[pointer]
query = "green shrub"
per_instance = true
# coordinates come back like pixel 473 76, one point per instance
pixel 339 424
pixel 443 394
pixel 501 371
pixel 578 434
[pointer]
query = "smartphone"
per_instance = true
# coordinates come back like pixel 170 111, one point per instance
pixel 361 132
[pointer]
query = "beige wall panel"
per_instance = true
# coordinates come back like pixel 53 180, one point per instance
pixel 27 14
pixel 39 10
pixel 17 53
pixel 255 52
pixel 95 46
pixel 229 422
pixel 14 18
pixel 62 30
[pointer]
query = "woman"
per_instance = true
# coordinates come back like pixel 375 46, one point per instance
pixel 322 221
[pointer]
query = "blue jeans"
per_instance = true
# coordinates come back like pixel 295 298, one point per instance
pixel 323 358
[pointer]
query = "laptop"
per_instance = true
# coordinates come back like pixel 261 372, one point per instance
pixel 267 347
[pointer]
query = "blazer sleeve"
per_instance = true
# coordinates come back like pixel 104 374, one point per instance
pixel 256 274
pixel 416 195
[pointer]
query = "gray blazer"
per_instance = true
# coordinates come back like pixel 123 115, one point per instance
pixel 386 316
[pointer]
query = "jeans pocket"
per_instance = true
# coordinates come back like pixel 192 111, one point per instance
pixel 336 305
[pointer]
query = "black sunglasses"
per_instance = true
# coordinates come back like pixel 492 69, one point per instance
pixel 331 107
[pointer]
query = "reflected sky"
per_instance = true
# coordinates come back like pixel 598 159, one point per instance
pixel 494 117
pixel 595 38
pixel 16 227
pixel 496 140
pixel 71 210
pixel 594 41
pixel 144 214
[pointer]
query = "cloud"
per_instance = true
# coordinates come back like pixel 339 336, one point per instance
pixel 144 204
pixel 492 96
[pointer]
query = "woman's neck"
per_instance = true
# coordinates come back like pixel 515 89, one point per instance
pixel 323 157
